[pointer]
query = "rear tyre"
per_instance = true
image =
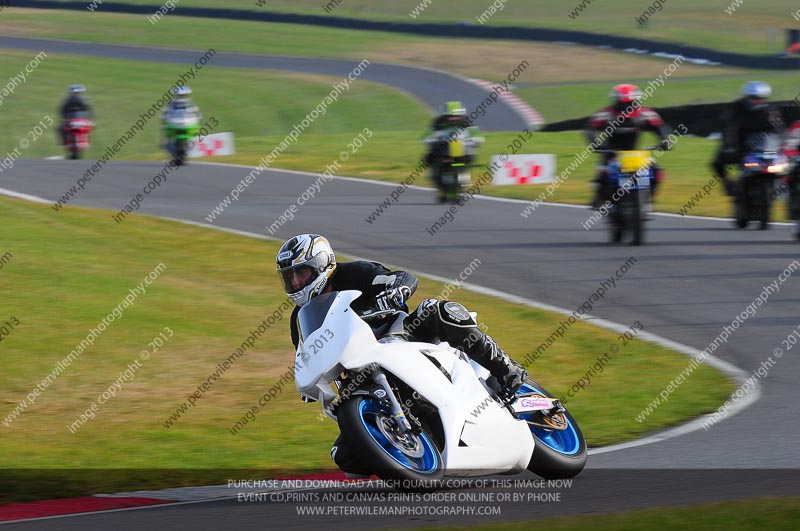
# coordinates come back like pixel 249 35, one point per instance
pixel 557 453
pixel 410 462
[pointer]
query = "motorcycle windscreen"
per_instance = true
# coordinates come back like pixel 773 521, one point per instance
pixel 313 313
pixel 763 143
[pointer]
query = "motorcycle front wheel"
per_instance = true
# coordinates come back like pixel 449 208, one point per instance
pixel 179 152
pixel 559 450
pixel 615 224
pixel 635 219
pixel 410 462
pixel 73 151
pixel 764 204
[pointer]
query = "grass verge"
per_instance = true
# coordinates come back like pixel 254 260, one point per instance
pixel 778 514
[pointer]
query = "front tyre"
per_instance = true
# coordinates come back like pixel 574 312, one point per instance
pixel 179 152
pixel 73 150
pixel 412 461
pixel 636 219
pixel 560 449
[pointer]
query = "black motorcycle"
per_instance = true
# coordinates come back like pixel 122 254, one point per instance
pixel 754 190
pixel 451 160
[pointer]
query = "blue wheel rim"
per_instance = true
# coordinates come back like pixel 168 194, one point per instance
pixel 369 412
pixel 566 442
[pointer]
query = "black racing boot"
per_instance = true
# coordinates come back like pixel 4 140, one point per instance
pixel 346 460
pixel 509 374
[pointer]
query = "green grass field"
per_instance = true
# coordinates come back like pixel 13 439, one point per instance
pixel 753 28
pixel 275 102
pixel 70 269
pixel 778 514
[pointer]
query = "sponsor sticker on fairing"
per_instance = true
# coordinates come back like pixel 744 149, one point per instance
pixel 535 403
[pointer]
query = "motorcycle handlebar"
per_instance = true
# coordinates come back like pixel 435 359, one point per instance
pixel 374 315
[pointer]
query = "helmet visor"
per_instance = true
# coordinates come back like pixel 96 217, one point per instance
pixel 297 277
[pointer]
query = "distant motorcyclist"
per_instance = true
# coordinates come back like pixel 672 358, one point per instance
pixel 748 116
pixel 181 103
pixel 451 124
pixel 75 105
pixel 633 119
pixel 307 266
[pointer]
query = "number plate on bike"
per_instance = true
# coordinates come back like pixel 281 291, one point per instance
pixel 526 404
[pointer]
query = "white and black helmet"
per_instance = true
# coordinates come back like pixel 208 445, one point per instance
pixel 181 93
pixel 756 89
pixel 305 263
pixel 76 89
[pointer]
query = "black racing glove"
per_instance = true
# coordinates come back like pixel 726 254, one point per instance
pixel 392 298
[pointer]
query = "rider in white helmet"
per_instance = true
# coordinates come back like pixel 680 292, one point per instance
pixel 307 266
pixel 181 103
pixel 747 117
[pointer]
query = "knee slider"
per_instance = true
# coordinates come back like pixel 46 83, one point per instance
pixel 455 313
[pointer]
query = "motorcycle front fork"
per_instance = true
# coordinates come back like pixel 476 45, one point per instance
pixel 397 411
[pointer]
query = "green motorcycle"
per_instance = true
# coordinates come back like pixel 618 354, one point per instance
pixel 180 128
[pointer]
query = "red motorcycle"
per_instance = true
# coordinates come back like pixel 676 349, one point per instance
pixel 76 136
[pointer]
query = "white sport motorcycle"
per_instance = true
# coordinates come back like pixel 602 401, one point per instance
pixel 418 412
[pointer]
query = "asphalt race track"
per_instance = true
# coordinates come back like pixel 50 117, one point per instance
pixel 693 277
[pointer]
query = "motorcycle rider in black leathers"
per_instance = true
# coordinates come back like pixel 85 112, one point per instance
pixel 75 105
pixel 308 267
pixel 749 115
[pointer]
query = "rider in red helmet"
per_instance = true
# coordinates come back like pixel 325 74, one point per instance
pixel 632 118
